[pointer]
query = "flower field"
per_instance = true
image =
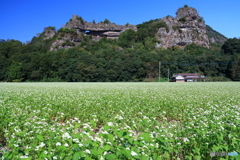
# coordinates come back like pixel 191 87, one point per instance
pixel 77 121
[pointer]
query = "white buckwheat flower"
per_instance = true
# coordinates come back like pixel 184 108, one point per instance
pixel 133 153
pixel 23 157
pixel 185 140
pixel 66 135
pixel 110 124
pixel 58 144
pixel 87 151
pixel 16 145
pixel 41 144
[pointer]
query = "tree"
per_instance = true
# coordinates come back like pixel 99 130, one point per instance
pixel 127 38
pixel 14 71
pixel 231 46
pixel 106 21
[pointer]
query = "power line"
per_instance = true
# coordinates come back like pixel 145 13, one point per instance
pixel 201 63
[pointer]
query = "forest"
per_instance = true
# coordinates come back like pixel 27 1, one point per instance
pixel 130 58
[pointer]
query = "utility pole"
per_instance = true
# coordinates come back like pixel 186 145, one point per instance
pixel 168 74
pixel 159 71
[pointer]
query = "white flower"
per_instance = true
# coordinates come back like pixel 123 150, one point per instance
pixel 41 145
pixel 58 144
pixel 66 145
pixel 23 156
pixel 109 143
pixel 76 140
pixel 80 144
pixel 87 151
pixel 185 140
pixel 16 145
pixel 110 124
pixel 133 153
pixel 98 139
pixel 45 152
pixel 104 132
pixel 119 117
pixel 54 157
pixel 66 135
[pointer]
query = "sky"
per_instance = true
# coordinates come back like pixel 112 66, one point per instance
pixel 23 19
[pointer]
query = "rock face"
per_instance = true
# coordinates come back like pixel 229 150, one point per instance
pixel 74 32
pixel 214 36
pixel 49 32
pixel 188 27
pixel 98 30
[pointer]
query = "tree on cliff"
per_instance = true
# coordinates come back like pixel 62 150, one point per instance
pixel 231 46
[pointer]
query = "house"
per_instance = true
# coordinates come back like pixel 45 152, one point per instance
pixel 187 77
pixel 177 78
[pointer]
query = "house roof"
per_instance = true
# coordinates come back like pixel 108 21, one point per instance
pixel 188 76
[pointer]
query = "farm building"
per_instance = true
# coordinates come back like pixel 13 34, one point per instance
pixel 187 77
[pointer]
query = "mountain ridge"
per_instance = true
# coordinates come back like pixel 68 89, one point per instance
pixel 186 28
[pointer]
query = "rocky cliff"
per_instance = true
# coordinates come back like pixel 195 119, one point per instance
pixel 102 29
pixel 214 36
pixel 76 29
pixel 186 28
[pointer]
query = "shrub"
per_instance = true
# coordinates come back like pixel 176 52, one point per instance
pixel 68 43
pixel 50 28
pixel 106 21
pixel 182 19
pixel 200 20
pixel 175 27
pixel 80 19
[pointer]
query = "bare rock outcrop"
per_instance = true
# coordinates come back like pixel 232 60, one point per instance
pixel 49 32
pixel 74 32
pixel 188 27
pixel 102 29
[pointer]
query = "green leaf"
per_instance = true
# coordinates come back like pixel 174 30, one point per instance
pixel 110 157
pixel 76 156
pixel 144 157
pixel 197 157
pixel 40 137
pixel 107 147
pixel 110 137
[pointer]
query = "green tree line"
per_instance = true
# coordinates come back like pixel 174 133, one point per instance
pixel 132 57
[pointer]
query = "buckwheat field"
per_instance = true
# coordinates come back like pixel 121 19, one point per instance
pixel 83 121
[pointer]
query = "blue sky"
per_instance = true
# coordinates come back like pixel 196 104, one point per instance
pixel 23 19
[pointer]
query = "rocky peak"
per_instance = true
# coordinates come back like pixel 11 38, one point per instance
pixel 74 32
pixel 98 30
pixel 186 28
pixel 187 12
pixel 49 32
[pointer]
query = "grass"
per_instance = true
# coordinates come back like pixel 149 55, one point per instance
pixel 119 120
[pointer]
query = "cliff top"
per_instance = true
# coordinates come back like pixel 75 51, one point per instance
pixel 78 22
pixel 187 12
